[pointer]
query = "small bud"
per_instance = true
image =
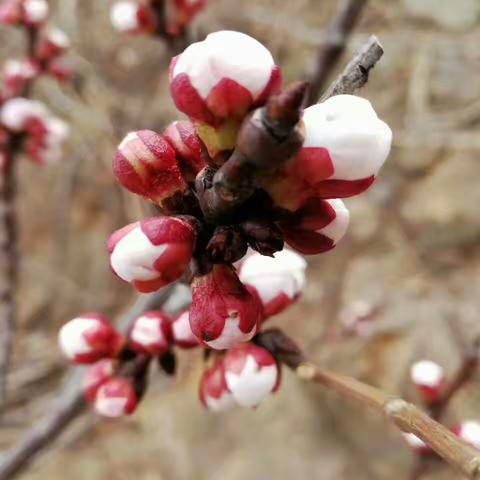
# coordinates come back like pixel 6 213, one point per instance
pixel 34 12
pixel 147 165
pixel 115 398
pixel 213 390
pixel 182 137
pixel 17 113
pixel 251 374
pixel 416 444
pixel 316 227
pixel 88 338
pixel 10 12
pixel 152 253
pixel 182 333
pixel 429 379
pixel 345 146
pixel 150 333
pixel 53 43
pixel 279 280
pixel 224 76
pixel 96 375
pixel 132 18
pixel 223 311
pixel 468 431
pixel 16 73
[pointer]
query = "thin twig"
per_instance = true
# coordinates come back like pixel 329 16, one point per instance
pixel 334 45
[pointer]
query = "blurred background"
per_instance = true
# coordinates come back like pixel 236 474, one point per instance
pixel 403 285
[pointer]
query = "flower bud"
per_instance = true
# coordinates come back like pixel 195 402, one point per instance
pixel 182 137
pixel 468 431
pixel 34 12
pixel 88 338
pixel 96 375
pixel 146 164
pixel 345 146
pixel 182 333
pixel 429 379
pixel 9 12
pixel 251 374
pixel 182 13
pixel 213 390
pixel 16 73
pixel 223 311
pixel 223 76
pixel 115 398
pixel 317 227
pixel 416 444
pixel 132 18
pixel 150 333
pixel 279 280
pixel 152 253
pixel 17 113
pixel 52 44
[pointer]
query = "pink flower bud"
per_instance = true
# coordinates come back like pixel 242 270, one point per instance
pixel 213 391
pixel 10 13
pixel 152 253
pixel 317 227
pixel 182 137
pixel 88 338
pixel 150 333
pixel 96 375
pixel 34 12
pixel 115 398
pixel 17 113
pixel 132 18
pixel 16 73
pixel 52 44
pixel 279 280
pixel 251 374
pixel 182 333
pixel 345 146
pixel 416 444
pixel 223 311
pixel 468 431
pixel 224 76
pixel 429 379
pixel 146 164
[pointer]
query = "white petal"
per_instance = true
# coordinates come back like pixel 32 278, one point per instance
pixel 36 10
pixel 339 226
pixel 470 432
pixel 231 335
pixel 181 329
pixel 224 402
pixel 112 407
pixel 123 16
pixel 71 336
pixel 146 331
pixel 426 373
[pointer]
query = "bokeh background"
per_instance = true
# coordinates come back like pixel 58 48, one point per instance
pixel 410 262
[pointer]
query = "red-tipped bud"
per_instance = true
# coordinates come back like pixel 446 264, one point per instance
pixel 213 390
pixel 10 12
pixel 21 114
pixel 182 333
pixel 224 76
pixel 317 227
pixel 279 280
pixel 146 164
pixel 468 431
pixel 150 333
pixel 182 137
pixel 132 18
pixel 34 12
pixel 429 379
pixel 53 43
pixel 115 398
pixel 223 312
pixel 88 338
pixel 417 444
pixel 152 253
pixel 251 374
pixel 96 375
pixel 16 73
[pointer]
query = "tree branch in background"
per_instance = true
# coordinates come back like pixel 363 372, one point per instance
pixel 334 45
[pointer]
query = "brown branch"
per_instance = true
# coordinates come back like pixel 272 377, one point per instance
pixel 334 45
pixel 406 416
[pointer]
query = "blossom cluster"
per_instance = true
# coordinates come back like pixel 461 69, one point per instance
pixel 133 18
pixel 290 169
pixel 41 132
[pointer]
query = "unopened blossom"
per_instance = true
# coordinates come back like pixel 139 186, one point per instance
pixel 128 16
pixel 251 374
pixel 152 253
pixel 469 431
pixel 53 43
pixel 317 226
pixel 88 338
pixel 17 113
pixel 223 311
pixel 416 443
pixel 146 164
pixel 279 280
pixel 34 12
pixel 182 334
pixel 213 390
pixel 16 74
pixel 429 378
pixel 150 333
pixel 115 398
pixel 96 375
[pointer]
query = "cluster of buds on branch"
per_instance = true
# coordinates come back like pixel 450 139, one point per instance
pixel 248 172
pixel 23 121
pixel 165 18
